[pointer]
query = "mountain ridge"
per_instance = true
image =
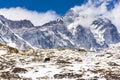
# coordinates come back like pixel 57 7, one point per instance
pixel 66 32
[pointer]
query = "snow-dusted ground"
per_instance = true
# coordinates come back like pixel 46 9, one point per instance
pixel 50 64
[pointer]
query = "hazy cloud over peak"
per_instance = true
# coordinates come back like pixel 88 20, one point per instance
pixel 99 8
pixel 36 18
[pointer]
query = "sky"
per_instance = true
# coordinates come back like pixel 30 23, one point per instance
pixel 59 6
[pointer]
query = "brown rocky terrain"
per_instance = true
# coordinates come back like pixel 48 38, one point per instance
pixel 75 64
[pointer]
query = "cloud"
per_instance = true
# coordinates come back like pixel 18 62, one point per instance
pixel 94 9
pixel 114 15
pixel 88 13
pixel 36 18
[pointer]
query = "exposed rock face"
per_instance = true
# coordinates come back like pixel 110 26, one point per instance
pixel 46 59
pixel 8 75
pixel 66 32
pixel 9 37
pixel 68 75
pixel 105 32
pixel 19 70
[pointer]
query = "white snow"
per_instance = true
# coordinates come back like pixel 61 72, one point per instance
pixel 66 38
pixel 88 64
pixel 2 52
pixel 10 43
pixel 98 34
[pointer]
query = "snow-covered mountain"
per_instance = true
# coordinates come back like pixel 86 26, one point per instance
pixel 65 32
pixel 9 37
pixel 104 31
pixel 76 29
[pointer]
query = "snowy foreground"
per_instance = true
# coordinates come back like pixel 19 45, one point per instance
pixel 65 64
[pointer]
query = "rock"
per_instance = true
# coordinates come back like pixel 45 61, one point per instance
pixel 98 70
pixel 112 64
pixel 78 59
pixel 4 63
pixel 46 59
pixel 19 70
pixel 9 76
pixel 59 76
pixel 82 50
pixel 112 75
pixel 36 59
pixel 43 78
pixel 63 61
pixel 12 50
pixel 3 66
pixel 68 75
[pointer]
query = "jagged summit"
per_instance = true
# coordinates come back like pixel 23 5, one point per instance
pixel 70 31
pixel 20 24
pixel 2 19
pixel 102 21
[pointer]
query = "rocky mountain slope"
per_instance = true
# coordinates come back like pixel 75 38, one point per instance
pixel 65 32
pixel 59 64
pixel 9 37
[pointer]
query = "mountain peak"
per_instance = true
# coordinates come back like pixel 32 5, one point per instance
pixel 2 19
pixel 1 16
pixel 66 32
pixel 104 31
pixel 101 21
